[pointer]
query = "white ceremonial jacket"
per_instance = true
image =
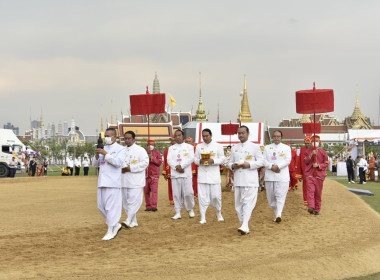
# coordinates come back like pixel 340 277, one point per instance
pixel 69 162
pixel 246 152
pixel 209 174
pixel 77 163
pixel 85 163
pixel 110 166
pixel 280 155
pixel 181 154
pixel 138 160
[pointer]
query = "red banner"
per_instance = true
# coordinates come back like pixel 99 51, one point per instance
pixel 311 128
pixel 145 104
pixel 230 129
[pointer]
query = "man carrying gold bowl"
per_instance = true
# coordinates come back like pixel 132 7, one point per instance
pixel 209 155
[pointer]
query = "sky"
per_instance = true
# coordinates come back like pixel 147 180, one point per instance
pixel 74 59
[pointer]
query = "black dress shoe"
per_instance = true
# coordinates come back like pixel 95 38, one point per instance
pixel 148 209
pixel 310 210
pixel 154 209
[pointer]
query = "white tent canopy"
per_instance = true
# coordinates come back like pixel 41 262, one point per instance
pixel 361 135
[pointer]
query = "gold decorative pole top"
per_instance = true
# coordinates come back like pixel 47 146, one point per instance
pixel 111 112
pixel 245 113
pixel 101 123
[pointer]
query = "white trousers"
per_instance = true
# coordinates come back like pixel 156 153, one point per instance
pixel 276 195
pixel 132 200
pixel 109 204
pixel 245 202
pixel 183 193
pixel 209 194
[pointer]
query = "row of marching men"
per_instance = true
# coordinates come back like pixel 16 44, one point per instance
pixel 122 177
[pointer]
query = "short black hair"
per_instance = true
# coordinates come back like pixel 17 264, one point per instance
pixel 244 126
pixel 207 130
pixel 111 129
pixel 179 131
pixel 131 133
pixel 277 131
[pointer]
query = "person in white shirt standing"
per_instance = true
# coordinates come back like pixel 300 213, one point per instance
pixel 133 179
pixel 70 164
pixel 246 158
pixel 110 160
pixel 209 182
pixel 180 157
pixel 78 165
pixel 363 167
pixel 277 159
pixel 86 164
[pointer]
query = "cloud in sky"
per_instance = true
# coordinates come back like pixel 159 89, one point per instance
pixel 70 58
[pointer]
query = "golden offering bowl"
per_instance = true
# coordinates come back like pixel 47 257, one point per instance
pixel 205 156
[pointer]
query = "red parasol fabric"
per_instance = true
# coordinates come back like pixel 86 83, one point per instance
pixel 309 128
pixel 314 101
pixel 229 129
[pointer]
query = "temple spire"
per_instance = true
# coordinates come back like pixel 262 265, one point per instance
pixel 357 119
pixel 42 120
pixel 244 112
pixel 200 113
pixel 156 84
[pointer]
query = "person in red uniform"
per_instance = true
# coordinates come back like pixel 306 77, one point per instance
pixel 316 162
pixel 300 170
pixel 166 172
pixel 152 176
pixel 292 170
pixel 194 168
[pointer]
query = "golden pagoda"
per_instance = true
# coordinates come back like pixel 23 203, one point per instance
pixel 305 119
pixel 200 115
pixel 357 119
pixel 245 113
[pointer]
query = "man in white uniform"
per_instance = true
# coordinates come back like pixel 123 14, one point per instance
pixel 133 178
pixel 78 165
pixel 277 158
pixel 209 188
pixel 246 158
pixel 70 164
pixel 110 160
pixel 85 166
pixel 180 157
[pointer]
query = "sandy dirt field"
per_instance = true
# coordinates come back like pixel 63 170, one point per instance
pixel 51 229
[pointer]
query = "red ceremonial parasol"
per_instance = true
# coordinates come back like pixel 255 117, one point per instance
pixel 145 104
pixel 230 129
pixel 314 101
